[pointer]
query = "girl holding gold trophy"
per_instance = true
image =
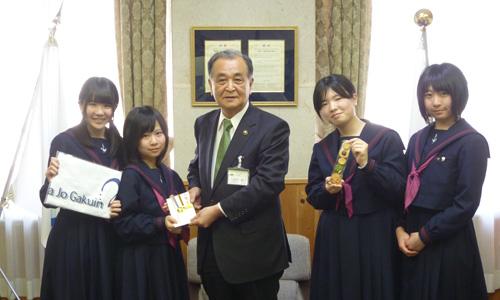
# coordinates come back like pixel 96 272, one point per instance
pixel 150 264
pixel 356 176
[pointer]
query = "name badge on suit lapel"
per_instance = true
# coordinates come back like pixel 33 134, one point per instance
pixel 238 175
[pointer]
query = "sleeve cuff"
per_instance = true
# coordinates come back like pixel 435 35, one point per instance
pixel 220 207
pixel 424 235
pixel 401 222
pixel 370 165
pixel 160 223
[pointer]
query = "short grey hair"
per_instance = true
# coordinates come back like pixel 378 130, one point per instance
pixel 230 54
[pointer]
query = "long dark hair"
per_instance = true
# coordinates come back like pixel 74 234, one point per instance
pixel 100 90
pixel 139 121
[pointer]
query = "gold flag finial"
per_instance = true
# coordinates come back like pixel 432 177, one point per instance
pixel 423 17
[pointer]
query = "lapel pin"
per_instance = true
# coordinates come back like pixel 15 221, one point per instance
pixel 245 132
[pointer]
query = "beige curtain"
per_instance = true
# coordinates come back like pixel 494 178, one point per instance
pixel 342 46
pixel 141 46
pixel 141 42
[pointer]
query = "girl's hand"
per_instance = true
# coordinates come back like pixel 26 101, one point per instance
pixel 331 187
pixel 169 223
pixel 415 243
pixel 115 208
pixel 165 206
pixel 402 237
pixel 359 149
pixel 52 169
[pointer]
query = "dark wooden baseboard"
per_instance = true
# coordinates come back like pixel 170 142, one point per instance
pixel 494 296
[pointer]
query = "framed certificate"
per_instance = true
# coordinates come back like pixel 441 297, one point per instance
pixel 274 57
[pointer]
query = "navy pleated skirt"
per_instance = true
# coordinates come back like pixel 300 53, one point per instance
pixel 445 269
pixel 151 271
pixel 79 258
pixel 357 258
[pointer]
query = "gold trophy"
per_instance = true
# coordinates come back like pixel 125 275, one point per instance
pixel 338 169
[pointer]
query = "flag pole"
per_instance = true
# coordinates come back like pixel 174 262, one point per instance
pixel 9 284
pixel 423 18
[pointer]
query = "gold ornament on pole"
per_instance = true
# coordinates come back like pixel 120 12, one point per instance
pixel 423 18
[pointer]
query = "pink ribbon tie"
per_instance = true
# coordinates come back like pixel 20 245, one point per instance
pixel 348 198
pixel 346 185
pixel 413 181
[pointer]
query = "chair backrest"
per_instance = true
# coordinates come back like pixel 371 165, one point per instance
pixel 300 267
pixel 192 271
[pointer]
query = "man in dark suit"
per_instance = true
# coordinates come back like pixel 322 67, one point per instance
pixel 242 245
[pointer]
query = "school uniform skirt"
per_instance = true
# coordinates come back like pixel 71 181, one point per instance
pixel 356 258
pixel 151 271
pixel 79 258
pixel 445 269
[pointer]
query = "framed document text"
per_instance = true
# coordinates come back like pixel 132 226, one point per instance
pixel 274 56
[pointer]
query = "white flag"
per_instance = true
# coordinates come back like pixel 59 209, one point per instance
pixel 46 117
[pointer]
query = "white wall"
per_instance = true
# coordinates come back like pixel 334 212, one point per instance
pixel 189 13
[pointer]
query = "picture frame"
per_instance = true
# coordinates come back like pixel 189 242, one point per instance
pixel 273 51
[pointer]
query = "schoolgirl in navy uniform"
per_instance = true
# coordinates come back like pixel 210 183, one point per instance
pixel 150 264
pixel 447 164
pixel 79 258
pixel 355 253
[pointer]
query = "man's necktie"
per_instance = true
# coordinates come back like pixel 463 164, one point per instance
pixel 223 144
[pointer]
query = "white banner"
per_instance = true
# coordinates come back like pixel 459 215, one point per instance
pixel 83 186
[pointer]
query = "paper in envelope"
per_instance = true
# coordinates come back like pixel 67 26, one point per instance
pixel 181 209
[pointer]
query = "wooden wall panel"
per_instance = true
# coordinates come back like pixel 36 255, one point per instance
pixel 494 296
pixel 298 215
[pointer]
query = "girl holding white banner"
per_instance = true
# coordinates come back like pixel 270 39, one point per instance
pixel 150 264
pixel 79 258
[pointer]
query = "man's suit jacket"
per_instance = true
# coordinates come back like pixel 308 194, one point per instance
pixel 250 243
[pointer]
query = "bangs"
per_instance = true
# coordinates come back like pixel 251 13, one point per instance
pixel 341 85
pixel 147 124
pixel 104 97
pixel 439 83
pixel 342 92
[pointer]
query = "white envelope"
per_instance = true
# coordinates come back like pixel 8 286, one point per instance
pixel 181 209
